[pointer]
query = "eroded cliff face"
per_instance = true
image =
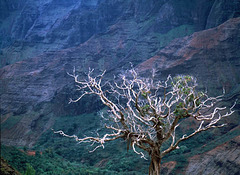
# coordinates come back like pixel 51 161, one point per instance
pixel 39 88
pixel 34 27
pixel 222 10
pixel 211 55
pixel 30 28
pixel 223 159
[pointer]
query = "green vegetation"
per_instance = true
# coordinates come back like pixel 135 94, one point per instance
pixel 7 169
pixel 49 163
pixel 61 155
pixel 120 163
pixel 202 143
pixel 58 158
pixel 89 123
pixel 10 122
pixel 177 32
pixel 30 170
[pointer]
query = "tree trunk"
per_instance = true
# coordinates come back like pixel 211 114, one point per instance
pixel 155 165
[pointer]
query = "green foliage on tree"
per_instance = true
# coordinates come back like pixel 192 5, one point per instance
pixel 30 170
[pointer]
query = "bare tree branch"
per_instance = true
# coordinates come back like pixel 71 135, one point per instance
pixel 146 113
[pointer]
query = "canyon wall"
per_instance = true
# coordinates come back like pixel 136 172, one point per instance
pixel 41 41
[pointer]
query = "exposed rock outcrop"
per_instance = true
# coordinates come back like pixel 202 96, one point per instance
pixel 224 159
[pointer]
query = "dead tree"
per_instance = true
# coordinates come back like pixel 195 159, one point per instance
pixel 146 113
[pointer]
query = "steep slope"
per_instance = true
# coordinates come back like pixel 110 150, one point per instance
pixel 35 90
pixel 222 10
pixel 6 169
pixel 211 55
pixel 223 159
pixel 30 28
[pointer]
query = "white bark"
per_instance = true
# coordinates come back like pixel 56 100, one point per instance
pixel 146 113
